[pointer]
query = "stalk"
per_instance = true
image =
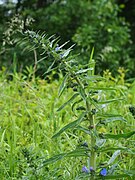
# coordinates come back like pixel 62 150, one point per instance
pixel 91 121
pixel 92 129
pixel 93 138
pixel 92 160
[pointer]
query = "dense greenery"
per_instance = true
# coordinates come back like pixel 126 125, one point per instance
pixel 88 24
pixel 29 119
pixel 67 110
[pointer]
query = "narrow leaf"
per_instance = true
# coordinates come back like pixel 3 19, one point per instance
pixel 64 44
pixel 75 103
pixel 108 115
pixel 77 152
pixel 63 85
pixel 70 125
pixel 87 131
pixel 83 71
pixel 112 149
pixel 109 101
pixel 114 156
pixel 82 93
pixel 113 168
pixel 111 119
pixel 118 136
pixel 94 103
pixel 69 101
pixel 50 68
pixel 54 159
pixel 66 52
pixel 91 55
pixel 91 63
pixel 102 88
pixel 94 78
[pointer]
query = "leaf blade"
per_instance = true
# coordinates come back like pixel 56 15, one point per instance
pixel 67 102
pixel 63 85
pixel 70 125
pixel 118 136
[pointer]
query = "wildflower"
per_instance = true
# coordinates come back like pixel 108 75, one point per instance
pixel 103 172
pixel 57 48
pixel 91 169
pixel 85 169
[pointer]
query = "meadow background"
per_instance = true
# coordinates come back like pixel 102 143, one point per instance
pixel 30 83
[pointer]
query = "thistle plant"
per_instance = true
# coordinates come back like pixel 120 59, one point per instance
pixel 89 105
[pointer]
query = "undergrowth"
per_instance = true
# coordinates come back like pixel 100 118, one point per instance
pixel 28 120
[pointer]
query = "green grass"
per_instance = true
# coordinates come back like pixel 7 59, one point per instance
pixel 29 118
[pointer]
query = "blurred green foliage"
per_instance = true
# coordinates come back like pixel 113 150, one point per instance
pixel 86 23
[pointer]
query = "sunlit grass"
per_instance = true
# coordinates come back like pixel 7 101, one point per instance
pixel 29 118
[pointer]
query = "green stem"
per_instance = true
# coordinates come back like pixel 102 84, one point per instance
pixel 93 139
pixel 92 129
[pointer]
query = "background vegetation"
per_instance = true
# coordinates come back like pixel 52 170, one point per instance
pixel 38 65
pixel 106 25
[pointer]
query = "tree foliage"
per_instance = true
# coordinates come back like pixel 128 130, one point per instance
pixel 88 24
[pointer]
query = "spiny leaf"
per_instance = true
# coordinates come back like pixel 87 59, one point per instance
pixel 69 101
pixel 70 125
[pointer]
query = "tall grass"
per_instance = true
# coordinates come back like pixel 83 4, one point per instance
pixel 28 120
